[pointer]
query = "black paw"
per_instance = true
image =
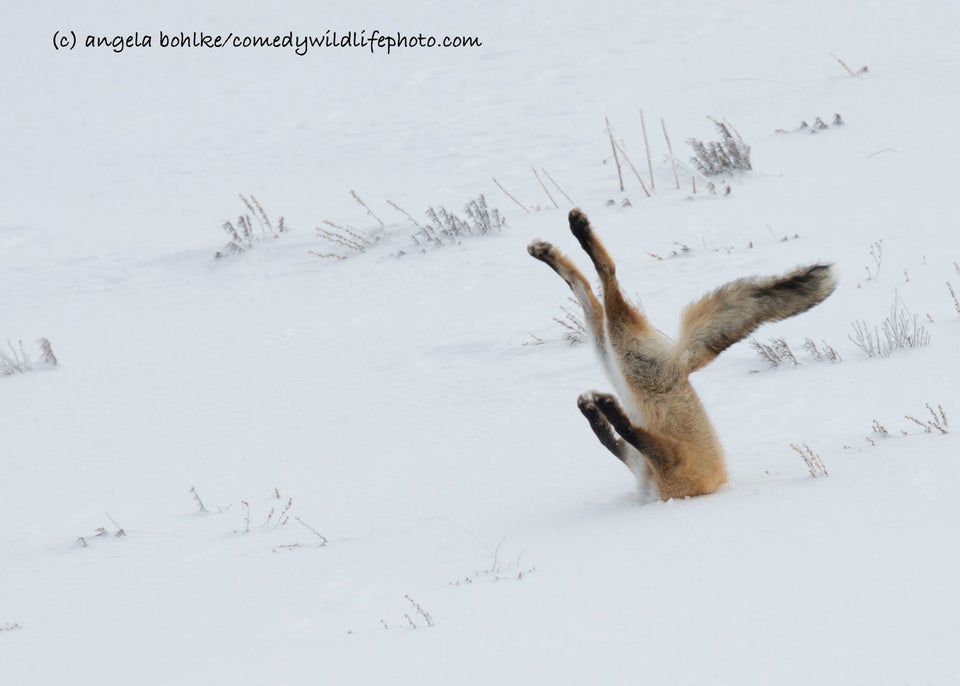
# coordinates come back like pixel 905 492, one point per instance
pixel 607 404
pixel 587 402
pixel 579 225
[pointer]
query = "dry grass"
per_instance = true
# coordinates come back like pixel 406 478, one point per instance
pixel 17 361
pixel 574 329
pixel 616 157
pixel 557 185
pixel 937 422
pixel 544 187
pixel 47 352
pixel 776 352
pixel 827 353
pixel 876 253
pixel 367 208
pixel 899 330
pixel 447 228
pixel 345 238
pixel 681 250
pixel 197 501
pixel 511 196
pixel 727 155
pixel 423 614
pixel 953 294
pixel 855 74
pixel 818 125
pixel 242 234
pixel 812 460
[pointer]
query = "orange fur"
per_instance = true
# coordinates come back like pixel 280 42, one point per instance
pixel 662 432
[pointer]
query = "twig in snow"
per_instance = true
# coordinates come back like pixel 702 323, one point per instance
pixel 855 74
pixel 956 303
pixel 676 177
pixel 282 519
pixel 323 539
pixel 557 185
pixel 616 159
pixel 369 211
pixel 633 169
pixel 646 144
pixel 404 213
pixel 544 187
pixel 119 532
pixel 196 498
pixel 509 195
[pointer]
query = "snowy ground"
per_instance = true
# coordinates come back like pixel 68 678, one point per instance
pixel 397 405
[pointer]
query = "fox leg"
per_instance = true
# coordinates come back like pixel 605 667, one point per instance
pixel 662 452
pixel 623 451
pixel 601 427
pixel 641 351
pixel 564 266
pixel 622 320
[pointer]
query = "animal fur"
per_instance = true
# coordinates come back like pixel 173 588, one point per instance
pixel 661 431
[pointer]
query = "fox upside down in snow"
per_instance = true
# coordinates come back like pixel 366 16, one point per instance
pixel 662 432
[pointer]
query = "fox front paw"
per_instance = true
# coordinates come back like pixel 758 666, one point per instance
pixel 606 403
pixel 586 404
pixel 588 408
pixel 589 402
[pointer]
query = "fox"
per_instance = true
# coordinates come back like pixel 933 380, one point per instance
pixel 658 427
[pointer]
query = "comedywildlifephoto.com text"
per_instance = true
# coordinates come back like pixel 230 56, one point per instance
pixel 300 44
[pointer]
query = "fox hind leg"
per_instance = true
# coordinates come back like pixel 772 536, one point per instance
pixel 583 232
pixel 623 321
pixel 642 352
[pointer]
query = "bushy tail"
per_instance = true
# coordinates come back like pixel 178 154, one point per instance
pixel 733 311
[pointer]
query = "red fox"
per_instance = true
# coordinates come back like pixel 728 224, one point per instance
pixel 662 432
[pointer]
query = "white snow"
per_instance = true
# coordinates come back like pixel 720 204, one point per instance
pixel 398 400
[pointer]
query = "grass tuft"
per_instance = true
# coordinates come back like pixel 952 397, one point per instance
pixel 17 361
pixel 937 422
pixel 727 155
pixel 243 236
pixel 899 330
pixel 812 460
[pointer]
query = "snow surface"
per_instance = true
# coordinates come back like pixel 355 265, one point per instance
pixel 397 400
